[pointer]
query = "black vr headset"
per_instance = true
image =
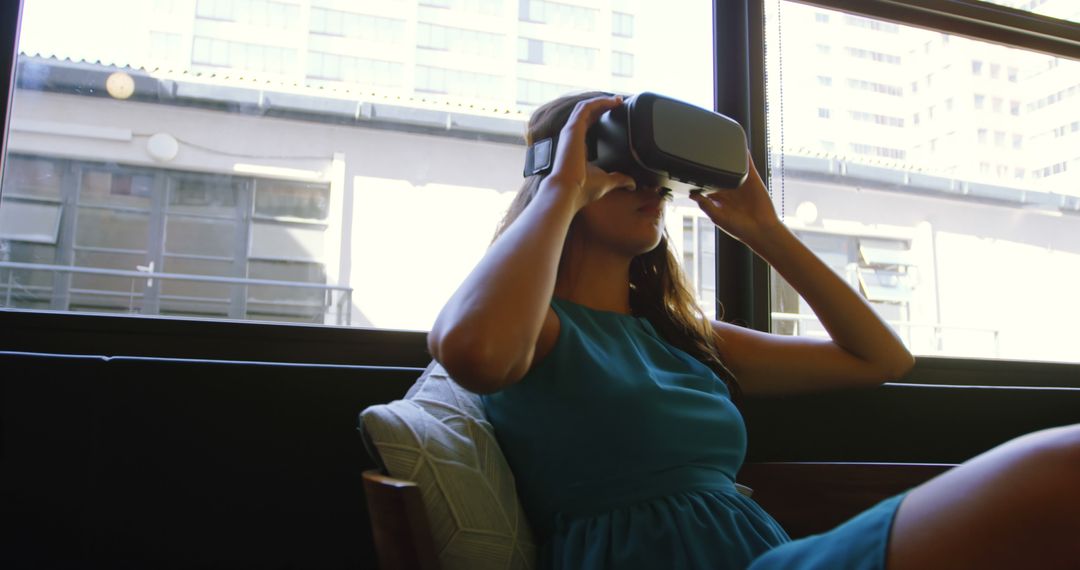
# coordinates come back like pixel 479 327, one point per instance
pixel 660 141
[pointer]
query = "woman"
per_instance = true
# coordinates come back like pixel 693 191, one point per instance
pixel 611 395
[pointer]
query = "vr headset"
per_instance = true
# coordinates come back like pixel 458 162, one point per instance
pixel 660 141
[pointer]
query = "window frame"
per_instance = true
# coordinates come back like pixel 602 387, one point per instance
pixel 739 50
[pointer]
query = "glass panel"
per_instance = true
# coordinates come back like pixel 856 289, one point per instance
pixel 287 241
pixel 128 287
pixel 280 198
pixel 116 189
pixel 29 221
pixel 200 236
pixel 938 175
pixel 406 156
pixel 32 177
pixel 112 229
pixel 203 195
pixel 26 288
pixel 287 300
pixel 187 288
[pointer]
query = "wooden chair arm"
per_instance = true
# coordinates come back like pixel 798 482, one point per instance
pixel 809 498
pixel 399 523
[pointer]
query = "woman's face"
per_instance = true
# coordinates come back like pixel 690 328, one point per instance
pixel 628 221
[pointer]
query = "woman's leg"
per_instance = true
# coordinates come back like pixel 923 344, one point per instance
pixel 1015 506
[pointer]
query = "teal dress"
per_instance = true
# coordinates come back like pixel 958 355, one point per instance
pixel 625 451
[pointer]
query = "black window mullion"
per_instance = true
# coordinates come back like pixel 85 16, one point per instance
pixel 155 255
pixel 245 210
pixel 71 180
pixel 742 278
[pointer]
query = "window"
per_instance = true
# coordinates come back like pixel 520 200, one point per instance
pixel 157 242
pixel 563 55
pixel 262 13
pixel 875 87
pixel 563 15
pixel 283 153
pixel 622 24
pixel 699 257
pixel 860 53
pixel 243 56
pixel 482 7
pixel 622 64
pixel 921 221
pixel 457 40
pixel 357 26
pixel 253 98
pixel 457 82
pixel 355 70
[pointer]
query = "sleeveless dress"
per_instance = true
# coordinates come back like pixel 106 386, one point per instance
pixel 625 451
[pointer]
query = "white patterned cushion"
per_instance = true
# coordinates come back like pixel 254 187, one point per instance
pixel 439 438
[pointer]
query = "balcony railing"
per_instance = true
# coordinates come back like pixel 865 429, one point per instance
pixel 933 340
pixel 339 310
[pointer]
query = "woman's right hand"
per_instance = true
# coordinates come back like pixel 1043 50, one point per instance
pixel 572 171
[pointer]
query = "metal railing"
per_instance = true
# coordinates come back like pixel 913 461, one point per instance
pixel 903 328
pixel 342 308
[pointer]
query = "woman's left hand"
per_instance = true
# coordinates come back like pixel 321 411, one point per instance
pixel 746 212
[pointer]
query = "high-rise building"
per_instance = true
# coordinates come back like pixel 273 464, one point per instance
pixel 874 91
pixel 477 52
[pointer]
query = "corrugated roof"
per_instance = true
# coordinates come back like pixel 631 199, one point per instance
pixel 236 78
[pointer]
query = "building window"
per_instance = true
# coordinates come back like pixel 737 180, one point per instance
pixel 531 92
pixel 578 18
pixel 622 64
pixel 622 25
pixel 557 54
pixel 877 56
pixel 262 13
pixel 356 70
pixel 457 83
pixel 458 40
pixel 162 242
pixel 357 26
pixel 699 259
pixel 237 55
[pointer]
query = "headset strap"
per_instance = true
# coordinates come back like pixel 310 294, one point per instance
pixel 539 157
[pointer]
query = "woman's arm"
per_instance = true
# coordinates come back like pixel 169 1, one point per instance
pixel 863 350
pixel 487 333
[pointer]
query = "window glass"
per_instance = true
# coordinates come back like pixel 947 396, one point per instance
pixel 947 193
pixel 27 177
pixel 342 163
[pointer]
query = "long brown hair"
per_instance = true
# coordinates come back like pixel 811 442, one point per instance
pixel 658 288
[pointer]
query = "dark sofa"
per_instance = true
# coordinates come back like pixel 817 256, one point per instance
pixel 137 462
pixel 131 462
